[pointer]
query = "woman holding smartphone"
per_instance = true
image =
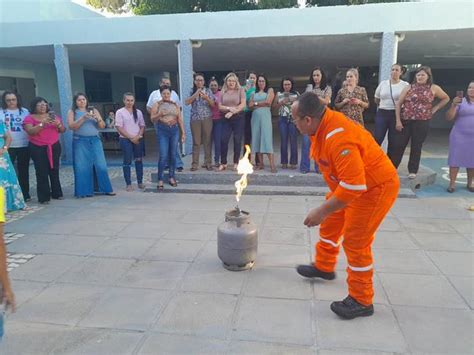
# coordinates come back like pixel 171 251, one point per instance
pixel 88 153
pixel 352 99
pixel 202 101
pixel 461 138
pixel 317 83
pixel 288 131
pixel 43 128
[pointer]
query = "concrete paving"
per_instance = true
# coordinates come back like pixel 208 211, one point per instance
pixel 139 274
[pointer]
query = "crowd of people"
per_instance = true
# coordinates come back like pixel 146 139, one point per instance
pixel 243 113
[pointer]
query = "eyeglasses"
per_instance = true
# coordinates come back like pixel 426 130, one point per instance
pixel 199 79
pixel 41 104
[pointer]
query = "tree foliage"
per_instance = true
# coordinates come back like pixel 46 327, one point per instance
pixel 150 7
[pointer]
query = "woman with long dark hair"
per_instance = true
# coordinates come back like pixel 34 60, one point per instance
pixel 88 153
pixel 13 114
pixel 414 111
pixel 318 84
pixel 461 138
pixel 262 130
pixel 201 101
pixel 130 124
pixel 288 131
pixel 43 128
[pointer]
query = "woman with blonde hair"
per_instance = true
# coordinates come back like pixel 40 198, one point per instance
pixel 352 99
pixel 232 104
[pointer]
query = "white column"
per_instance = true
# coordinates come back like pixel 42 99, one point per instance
pixel 63 74
pixel 185 72
pixel 388 54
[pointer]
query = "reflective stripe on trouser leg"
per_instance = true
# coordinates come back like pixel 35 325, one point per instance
pixel 327 248
pixel 362 219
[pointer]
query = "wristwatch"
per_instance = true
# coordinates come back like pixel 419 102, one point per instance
pixel 256 104
pixel 41 124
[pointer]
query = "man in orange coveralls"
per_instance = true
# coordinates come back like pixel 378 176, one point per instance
pixel 364 185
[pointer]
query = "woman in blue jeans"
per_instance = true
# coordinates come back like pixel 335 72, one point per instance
pixel 166 116
pixel 130 124
pixel 88 153
pixel 317 83
pixel 288 132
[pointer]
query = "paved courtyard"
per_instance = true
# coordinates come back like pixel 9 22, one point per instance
pixel 138 274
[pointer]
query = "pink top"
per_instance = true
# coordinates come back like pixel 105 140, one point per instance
pixel 125 120
pixel 216 114
pixel 48 136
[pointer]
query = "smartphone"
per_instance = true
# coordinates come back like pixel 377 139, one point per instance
pixel 309 87
pixel 52 116
pixel 460 94
pixel 248 82
pixel 90 110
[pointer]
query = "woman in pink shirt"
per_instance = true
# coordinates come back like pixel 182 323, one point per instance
pixel 43 128
pixel 130 124
pixel 217 121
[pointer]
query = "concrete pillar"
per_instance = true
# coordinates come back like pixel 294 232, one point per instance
pixel 185 72
pixel 63 74
pixel 388 54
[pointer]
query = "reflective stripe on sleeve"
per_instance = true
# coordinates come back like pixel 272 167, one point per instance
pixel 335 245
pixel 353 187
pixel 364 268
pixel 334 131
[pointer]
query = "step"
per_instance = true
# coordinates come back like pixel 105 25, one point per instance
pixel 259 190
pixel 288 178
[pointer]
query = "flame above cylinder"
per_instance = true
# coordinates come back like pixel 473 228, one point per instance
pixel 244 168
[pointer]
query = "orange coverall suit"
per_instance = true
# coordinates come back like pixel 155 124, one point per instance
pixel 358 173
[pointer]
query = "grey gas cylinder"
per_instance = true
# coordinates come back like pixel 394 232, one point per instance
pixel 237 241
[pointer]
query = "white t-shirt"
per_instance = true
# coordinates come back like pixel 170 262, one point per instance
pixel 155 96
pixel 14 123
pixel 383 93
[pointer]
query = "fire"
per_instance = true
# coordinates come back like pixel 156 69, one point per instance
pixel 244 168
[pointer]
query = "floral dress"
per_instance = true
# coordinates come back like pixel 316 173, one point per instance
pixel 8 179
pixel 354 112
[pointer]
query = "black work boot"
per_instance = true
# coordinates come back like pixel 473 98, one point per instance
pixel 311 271
pixel 349 308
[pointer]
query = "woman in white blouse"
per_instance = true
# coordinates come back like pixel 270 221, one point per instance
pixel 386 97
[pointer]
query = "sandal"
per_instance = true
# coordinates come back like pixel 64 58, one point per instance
pixel 222 167
pixel 173 182
pixel 451 189
pixel 110 194
pixel 160 187
pixel 194 168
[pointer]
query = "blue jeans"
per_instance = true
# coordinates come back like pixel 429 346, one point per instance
pixel 168 137
pixel 305 165
pixel 88 154
pixel 288 130
pixel 217 137
pixel 132 151
pixel 385 121
pixel 234 125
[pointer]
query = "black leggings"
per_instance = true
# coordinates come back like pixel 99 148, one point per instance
pixel 47 179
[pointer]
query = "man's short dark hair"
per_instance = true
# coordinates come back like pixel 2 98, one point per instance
pixel 310 105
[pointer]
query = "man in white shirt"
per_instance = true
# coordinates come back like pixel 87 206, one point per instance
pixel 155 96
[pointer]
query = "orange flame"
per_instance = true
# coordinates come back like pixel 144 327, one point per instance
pixel 244 168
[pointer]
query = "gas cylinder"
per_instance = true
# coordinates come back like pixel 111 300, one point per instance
pixel 237 240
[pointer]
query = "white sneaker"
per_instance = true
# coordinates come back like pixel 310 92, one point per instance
pixel 411 176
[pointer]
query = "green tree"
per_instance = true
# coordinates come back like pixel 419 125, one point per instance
pixel 277 4
pixel 115 6
pixel 346 2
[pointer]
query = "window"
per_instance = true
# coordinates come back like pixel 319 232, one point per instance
pixel 141 89
pixel 98 86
